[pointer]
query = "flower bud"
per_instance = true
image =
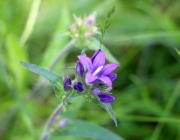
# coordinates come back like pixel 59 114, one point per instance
pixel 95 91
pixel 94 29
pixel 79 69
pixel 78 86
pixel 72 27
pixel 67 84
pixel 79 21
pixel 90 19
pixel 106 98
pixel 88 35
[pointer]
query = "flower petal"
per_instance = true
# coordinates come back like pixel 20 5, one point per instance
pixel 95 54
pixel 86 61
pixel 106 80
pixel 107 69
pixel 99 61
pixel 112 76
pixel 89 79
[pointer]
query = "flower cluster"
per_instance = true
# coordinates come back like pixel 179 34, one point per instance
pixel 93 77
pixel 83 29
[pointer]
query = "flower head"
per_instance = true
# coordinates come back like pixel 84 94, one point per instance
pixel 67 84
pixel 96 70
pixel 78 86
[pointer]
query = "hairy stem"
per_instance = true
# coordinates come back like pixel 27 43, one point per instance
pixel 50 121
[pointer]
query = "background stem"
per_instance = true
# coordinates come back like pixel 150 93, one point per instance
pixel 50 121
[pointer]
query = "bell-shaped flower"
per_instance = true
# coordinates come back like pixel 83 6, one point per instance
pixel 67 84
pixel 78 86
pixel 106 98
pixel 79 69
pixel 96 70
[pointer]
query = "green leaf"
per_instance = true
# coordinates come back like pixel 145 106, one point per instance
pixel 53 78
pixel 109 109
pixel 94 45
pixel 78 128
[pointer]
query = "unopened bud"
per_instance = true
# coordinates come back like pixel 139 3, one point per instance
pixel 79 69
pixel 67 84
pixel 88 35
pixel 72 27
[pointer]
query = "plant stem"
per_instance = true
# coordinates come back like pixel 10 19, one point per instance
pixel 42 81
pixel 50 121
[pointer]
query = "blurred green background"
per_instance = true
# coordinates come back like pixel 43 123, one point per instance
pixel 143 36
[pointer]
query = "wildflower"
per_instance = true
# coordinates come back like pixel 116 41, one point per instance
pixel 95 91
pixel 67 84
pixel 96 70
pixel 106 98
pixel 79 69
pixel 78 86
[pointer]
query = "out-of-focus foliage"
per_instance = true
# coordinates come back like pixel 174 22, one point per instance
pixel 143 36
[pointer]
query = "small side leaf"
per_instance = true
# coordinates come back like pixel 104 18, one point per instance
pixel 107 107
pixel 78 128
pixel 53 78
pixel 110 111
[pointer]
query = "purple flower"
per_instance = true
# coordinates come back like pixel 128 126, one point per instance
pixel 106 98
pixel 79 69
pixel 67 84
pixel 112 76
pixel 95 91
pixel 96 68
pixel 78 86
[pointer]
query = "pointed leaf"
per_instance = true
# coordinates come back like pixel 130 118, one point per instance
pixel 78 128
pixel 109 109
pixel 53 78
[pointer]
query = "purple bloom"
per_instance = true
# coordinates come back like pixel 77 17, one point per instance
pixel 95 91
pixel 96 68
pixel 106 98
pixel 79 69
pixel 112 76
pixel 67 84
pixel 78 86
